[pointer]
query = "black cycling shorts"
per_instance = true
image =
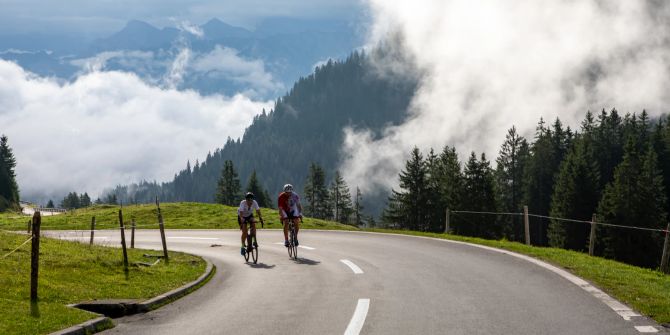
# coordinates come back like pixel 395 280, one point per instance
pixel 246 219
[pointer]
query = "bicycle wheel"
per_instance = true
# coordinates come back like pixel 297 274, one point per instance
pixel 293 245
pixel 254 254
pixel 246 254
pixel 290 249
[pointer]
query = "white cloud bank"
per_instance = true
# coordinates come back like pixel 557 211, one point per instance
pixel 492 64
pixel 108 128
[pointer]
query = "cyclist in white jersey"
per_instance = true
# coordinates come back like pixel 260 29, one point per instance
pixel 245 213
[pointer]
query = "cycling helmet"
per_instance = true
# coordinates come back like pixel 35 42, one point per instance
pixel 249 196
pixel 288 188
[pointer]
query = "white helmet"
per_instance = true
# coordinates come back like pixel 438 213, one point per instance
pixel 288 188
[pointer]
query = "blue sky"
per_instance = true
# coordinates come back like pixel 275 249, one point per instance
pixel 106 16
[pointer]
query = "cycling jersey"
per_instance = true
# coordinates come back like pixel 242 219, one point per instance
pixel 246 210
pixel 288 204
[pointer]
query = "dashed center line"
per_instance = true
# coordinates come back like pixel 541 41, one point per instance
pixel 192 238
pixel 358 319
pixel 353 266
pixel 646 329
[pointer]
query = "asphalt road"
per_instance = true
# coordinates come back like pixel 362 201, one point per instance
pixel 408 285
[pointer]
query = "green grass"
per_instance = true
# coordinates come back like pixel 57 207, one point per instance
pixel 181 215
pixel 647 291
pixel 72 272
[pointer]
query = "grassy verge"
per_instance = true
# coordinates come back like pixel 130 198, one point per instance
pixel 180 215
pixel 72 272
pixel 645 290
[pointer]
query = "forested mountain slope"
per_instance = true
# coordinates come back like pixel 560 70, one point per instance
pixel 306 125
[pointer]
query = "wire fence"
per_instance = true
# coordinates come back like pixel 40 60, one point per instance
pixel 665 259
pixel 566 220
pixel 17 248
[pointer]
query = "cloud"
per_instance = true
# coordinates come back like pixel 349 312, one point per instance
pixel 191 29
pixel 109 128
pixel 171 68
pixel 223 62
pixel 134 59
pixel 492 64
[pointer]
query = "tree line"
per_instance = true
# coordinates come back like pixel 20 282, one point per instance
pixel 320 200
pixel 614 166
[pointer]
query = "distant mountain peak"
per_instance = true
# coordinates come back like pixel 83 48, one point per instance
pixel 137 25
pixel 216 28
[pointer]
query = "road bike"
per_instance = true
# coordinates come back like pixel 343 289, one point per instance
pixel 252 248
pixel 292 245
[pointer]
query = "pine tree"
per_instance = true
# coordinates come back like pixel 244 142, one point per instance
pixel 576 195
pixel 50 204
pixel 84 200
pixel 9 189
pixel 478 195
pixel 543 164
pixel 511 164
pixel 254 187
pixel 228 188
pixel 635 197
pixel 406 208
pixel 316 193
pixel 340 198
pixel 358 208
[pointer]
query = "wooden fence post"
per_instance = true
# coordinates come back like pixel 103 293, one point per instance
pixel 35 256
pixel 30 224
pixel 123 241
pixel 592 237
pixel 526 224
pixel 92 230
pixel 446 225
pixel 132 235
pixel 666 252
pixel 162 229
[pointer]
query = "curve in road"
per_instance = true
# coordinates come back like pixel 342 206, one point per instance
pixel 351 283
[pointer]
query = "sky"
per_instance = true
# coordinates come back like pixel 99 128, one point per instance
pixel 107 16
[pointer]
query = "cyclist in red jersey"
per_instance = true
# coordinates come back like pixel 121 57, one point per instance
pixel 289 209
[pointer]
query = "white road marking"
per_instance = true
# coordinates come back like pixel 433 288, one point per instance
pixel 646 329
pixel 192 238
pixel 82 237
pixel 353 266
pixel 358 319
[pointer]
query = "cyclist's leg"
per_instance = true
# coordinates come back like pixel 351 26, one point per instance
pixel 244 233
pixel 296 221
pixel 284 221
pixel 253 230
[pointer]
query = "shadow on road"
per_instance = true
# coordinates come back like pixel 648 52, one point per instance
pixel 260 266
pixel 306 261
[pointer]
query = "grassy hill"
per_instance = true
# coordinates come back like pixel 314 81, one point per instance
pixel 180 215
pixel 72 272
